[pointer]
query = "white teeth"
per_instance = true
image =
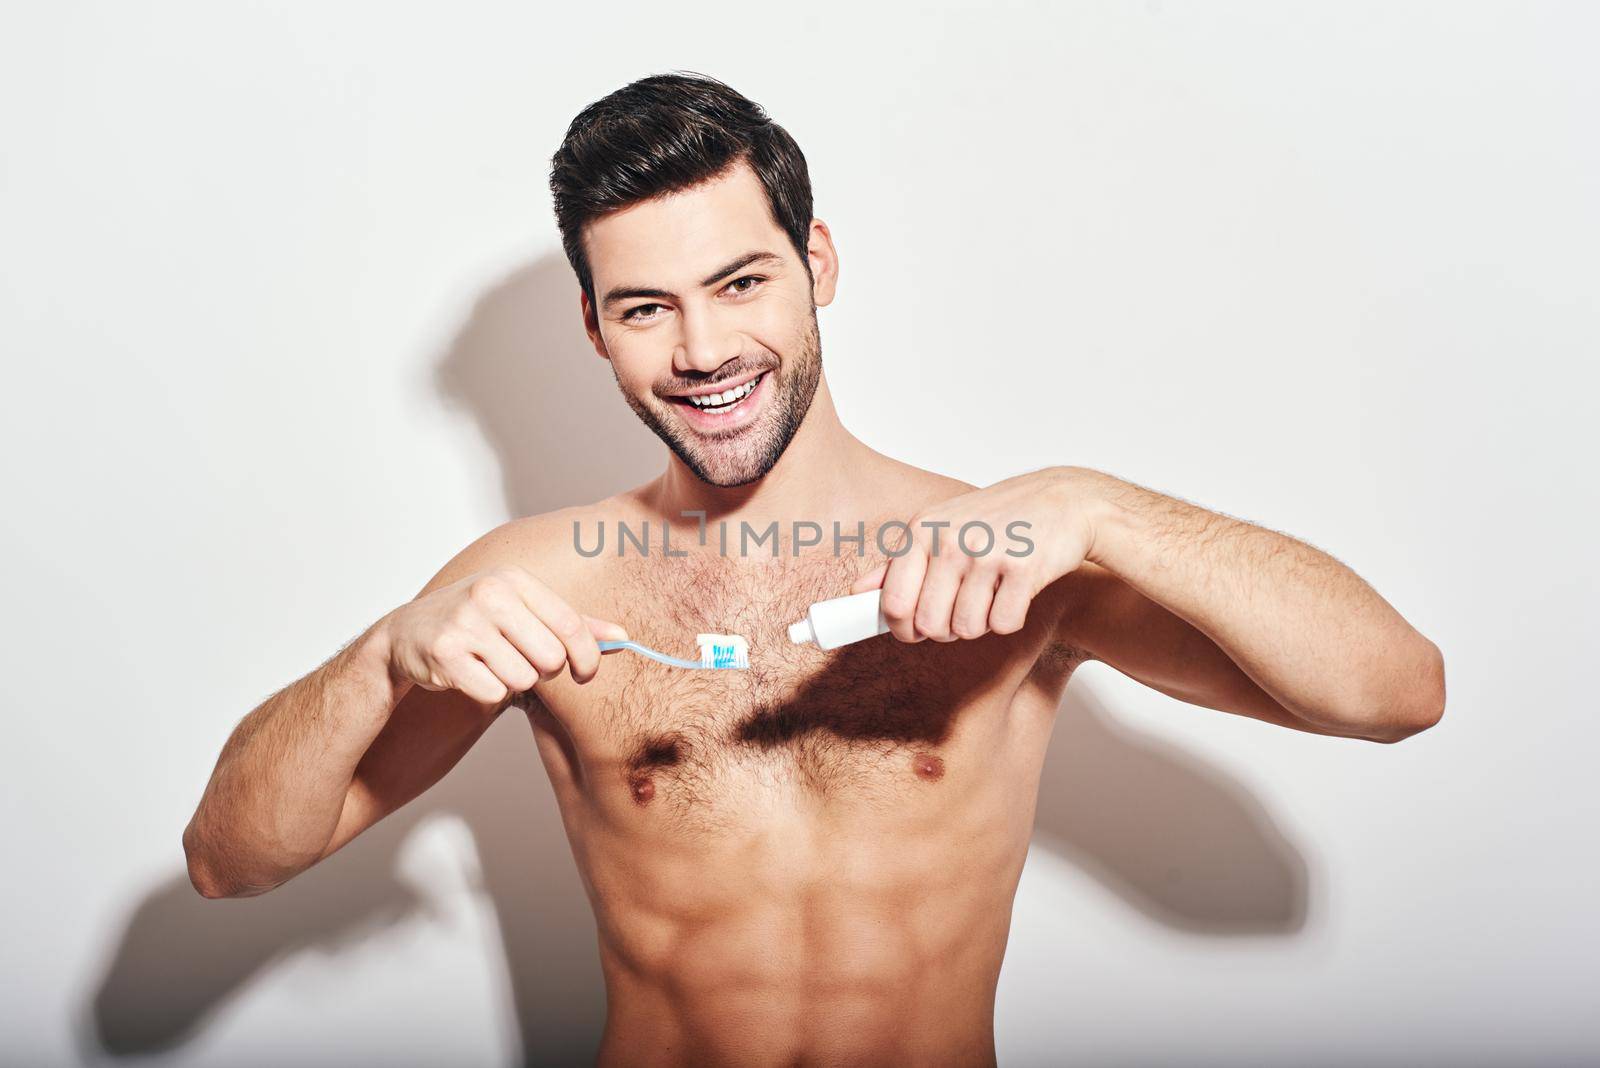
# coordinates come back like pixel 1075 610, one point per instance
pixel 727 396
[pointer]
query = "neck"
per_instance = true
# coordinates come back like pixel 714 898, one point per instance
pixel 819 477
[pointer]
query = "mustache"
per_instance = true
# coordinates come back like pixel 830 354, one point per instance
pixel 725 373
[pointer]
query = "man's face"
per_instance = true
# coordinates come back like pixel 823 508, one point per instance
pixel 699 293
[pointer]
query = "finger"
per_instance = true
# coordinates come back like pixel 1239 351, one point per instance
pixel 937 600
pixel 528 634
pixel 871 580
pixel 901 584
pixel 468 674
pixel 970 617
pixel 569 627
pixel 508 664
pixel 606 630
pixel 506 617
pixel 1010 609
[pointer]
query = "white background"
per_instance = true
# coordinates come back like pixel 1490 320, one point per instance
pixel 285 324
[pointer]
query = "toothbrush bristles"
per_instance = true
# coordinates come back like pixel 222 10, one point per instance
pixel 723 651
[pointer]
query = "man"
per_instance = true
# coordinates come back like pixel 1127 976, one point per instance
pixel 812 860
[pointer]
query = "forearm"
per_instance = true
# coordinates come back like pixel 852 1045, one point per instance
pixel 280 784
pixel 1305 628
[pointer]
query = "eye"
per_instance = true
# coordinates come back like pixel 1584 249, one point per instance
pixel 736 288
pixel 633 315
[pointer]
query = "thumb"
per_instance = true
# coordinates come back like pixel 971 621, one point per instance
pixel 871 580
pixel 605 630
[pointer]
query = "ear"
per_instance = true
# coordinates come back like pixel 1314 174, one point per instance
pixel 824 260
pixel 591 325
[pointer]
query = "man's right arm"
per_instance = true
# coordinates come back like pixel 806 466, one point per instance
pixel 381 720
pixel 284 777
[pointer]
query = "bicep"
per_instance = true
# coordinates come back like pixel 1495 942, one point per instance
pixel 427 734
pixel 1116 624
pixel 429 731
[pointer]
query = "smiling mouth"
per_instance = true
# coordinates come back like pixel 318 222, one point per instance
pixel 725 402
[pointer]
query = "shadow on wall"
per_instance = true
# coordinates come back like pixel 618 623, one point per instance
pixel 1174 837
pixel 1178 840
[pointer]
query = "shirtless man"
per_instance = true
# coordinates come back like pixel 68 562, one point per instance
pixel 811 861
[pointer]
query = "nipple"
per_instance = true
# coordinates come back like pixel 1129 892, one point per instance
pixel 643 789
pixel 928 767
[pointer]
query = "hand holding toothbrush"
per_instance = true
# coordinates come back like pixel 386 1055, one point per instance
pixel 491 634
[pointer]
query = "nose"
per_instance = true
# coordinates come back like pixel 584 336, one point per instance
pixel 705 344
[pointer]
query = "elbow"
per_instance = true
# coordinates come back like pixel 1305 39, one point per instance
pixel 207 886
pixel 1419 704
pixel 204 873
pixel 215 877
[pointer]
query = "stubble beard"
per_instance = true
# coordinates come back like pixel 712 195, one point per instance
pixel 752 452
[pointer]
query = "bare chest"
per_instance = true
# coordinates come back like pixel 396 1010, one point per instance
pixel 870 721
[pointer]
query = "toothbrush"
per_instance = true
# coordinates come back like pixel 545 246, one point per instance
pixel 716 651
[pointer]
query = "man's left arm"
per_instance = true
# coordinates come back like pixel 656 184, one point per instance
pixel 1304 628
pixel 1206 608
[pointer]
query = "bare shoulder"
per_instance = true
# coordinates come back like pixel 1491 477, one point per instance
pixel 924 486
pixel 542 544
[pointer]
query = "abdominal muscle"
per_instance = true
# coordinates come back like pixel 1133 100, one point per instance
pixel 775 918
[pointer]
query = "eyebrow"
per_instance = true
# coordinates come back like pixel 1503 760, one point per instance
pixel 629 292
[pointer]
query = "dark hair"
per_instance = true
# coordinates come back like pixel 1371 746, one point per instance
pixel 665 133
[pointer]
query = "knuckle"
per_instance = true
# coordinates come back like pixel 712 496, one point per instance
pixel 510 573
pixel 549 661
pixel 565 623
pixel 1016 618
pixel 495 600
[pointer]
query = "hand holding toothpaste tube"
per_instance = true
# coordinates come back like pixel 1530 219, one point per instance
pixel 971 565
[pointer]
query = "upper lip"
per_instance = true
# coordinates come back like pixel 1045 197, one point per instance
pixel 722 387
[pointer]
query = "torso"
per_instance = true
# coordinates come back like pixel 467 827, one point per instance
pixel 811 860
